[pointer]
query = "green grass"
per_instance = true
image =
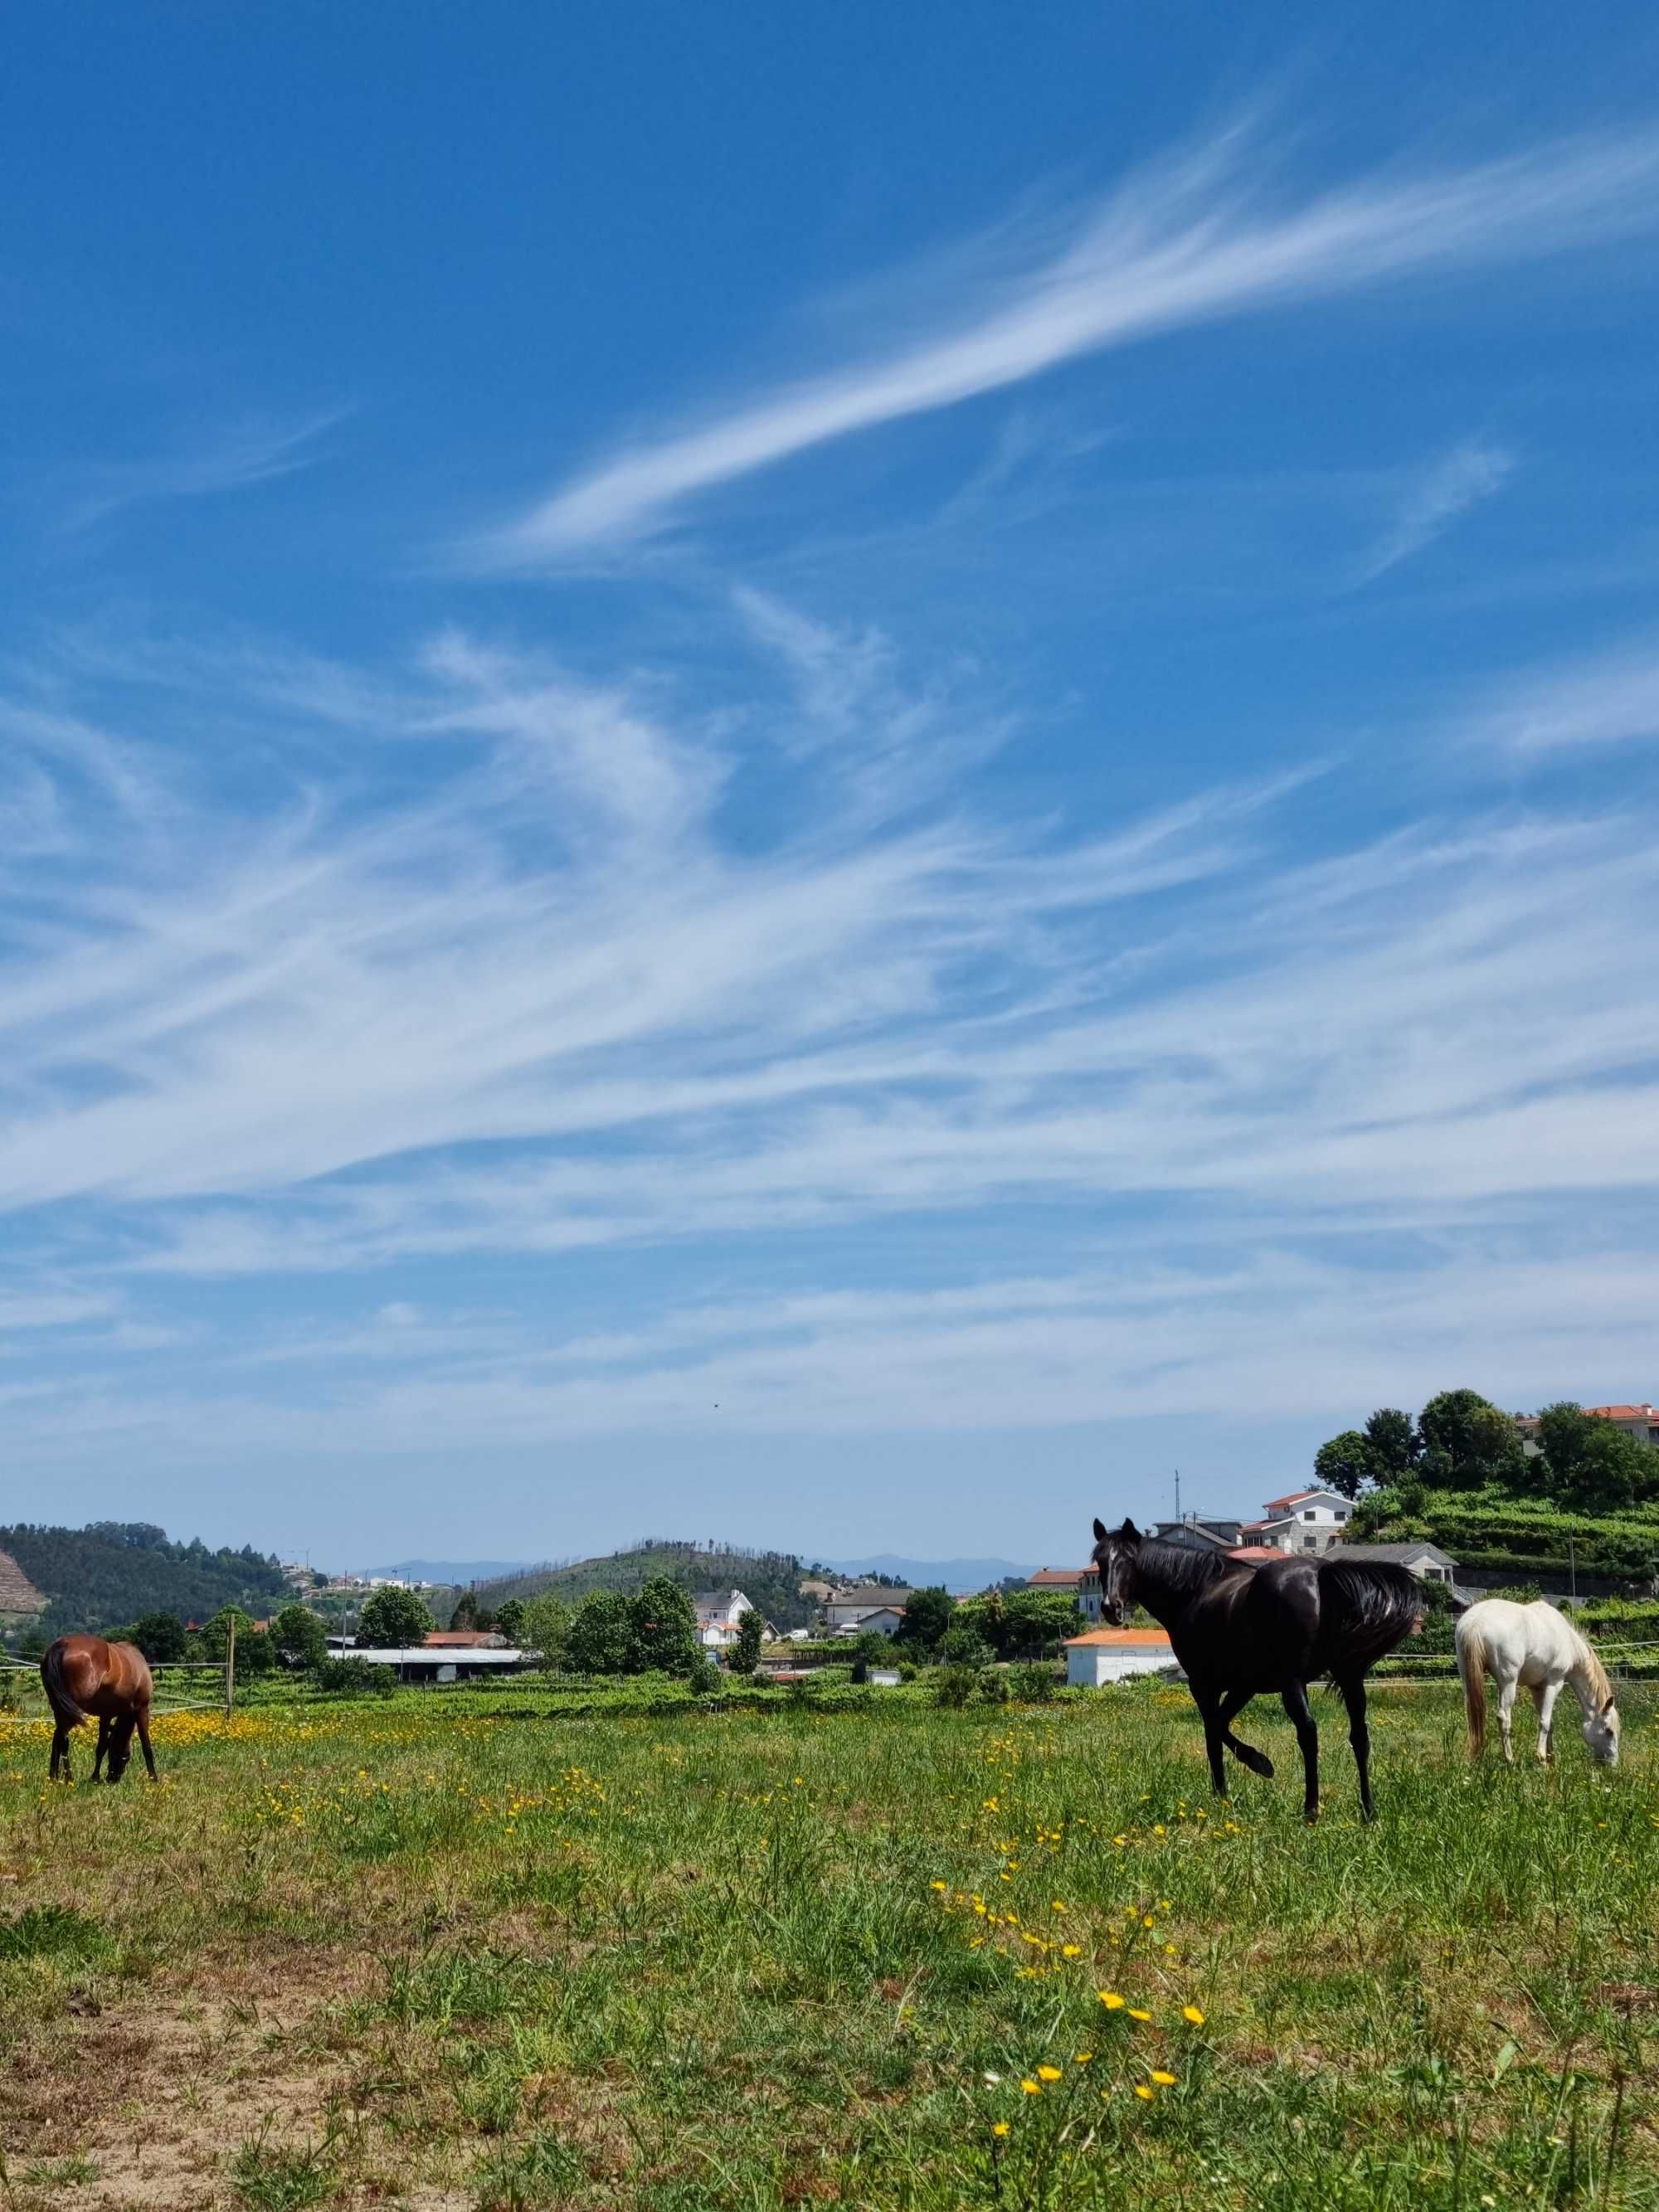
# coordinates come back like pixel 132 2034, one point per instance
pixel 755 1959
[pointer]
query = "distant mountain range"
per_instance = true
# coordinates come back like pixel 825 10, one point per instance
pixel 957 1575
pixel 456 1573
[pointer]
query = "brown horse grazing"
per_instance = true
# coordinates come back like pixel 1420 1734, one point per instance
pixel 83 1677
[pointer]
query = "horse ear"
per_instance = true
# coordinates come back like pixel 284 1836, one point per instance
pixel 1100 1530
pixel 1129 1531
pixel 1607 1708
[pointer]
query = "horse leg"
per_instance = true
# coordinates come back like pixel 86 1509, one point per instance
pixel 1258 1761
pixel 143 1718
pixel 1545 1695
pixel 1294 1699
pixel 1353 1696
pixel 1505 1715
pixel 60 1752
pixel 1209 1706
pixel 103 1746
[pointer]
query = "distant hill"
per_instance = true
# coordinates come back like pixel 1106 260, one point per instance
pixel 770 1580
pixel 925 1574
pixel 105 1575
pixel 454 1573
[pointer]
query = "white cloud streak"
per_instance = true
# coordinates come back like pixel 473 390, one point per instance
pixel 213 462
pixel 1189 241
pixel 1471 472
pixel 1606 699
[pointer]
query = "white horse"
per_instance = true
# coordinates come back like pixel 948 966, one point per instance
pixel 1539 1646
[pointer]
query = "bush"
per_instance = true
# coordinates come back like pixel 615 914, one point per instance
pixel 702 1676
pixel 1033 1685
pixel 954 1686
pixel 993 1685
pixel 355 1678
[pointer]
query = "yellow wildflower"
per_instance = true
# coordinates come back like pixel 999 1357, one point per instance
pixel 1136 2014
pixel 1164 2081
pixel 1001 2128
pixel 1141 2090
pixel 1110 1999
pixel 1032 2088
pixel 1193 2013
pixel 1048 2073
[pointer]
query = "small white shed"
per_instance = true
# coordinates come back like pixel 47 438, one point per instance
pixel 1110 1655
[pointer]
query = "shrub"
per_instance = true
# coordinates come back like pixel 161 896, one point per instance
pixel 954 1686
pixel 1033 1685
pixel 353 1677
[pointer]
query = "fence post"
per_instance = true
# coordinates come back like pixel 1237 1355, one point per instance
pixel 230 1667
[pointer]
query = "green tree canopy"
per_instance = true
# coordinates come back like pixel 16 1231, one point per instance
pixel 1347 1463
pixel 215 1633
pixel 1468 1443
pixel 600 1638
pixel 159 1636
pixel 510 1619
pixel 393 1619
pixel 546 1625
pixel 1392 1434
pixel 927 1614
pixel 465 1615
pixel 746 1651
pixel 298 1636
pixel 663 1624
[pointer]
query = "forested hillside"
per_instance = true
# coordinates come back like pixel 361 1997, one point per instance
pixel 110 1572
pixel 770 1580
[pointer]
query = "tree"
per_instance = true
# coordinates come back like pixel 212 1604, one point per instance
pixel 927 1614
pixel 464 1618
pixel 962 1645
pixel 746 1651
pixel 255 1653
pixel 510 1619
pixel 664 1627
pixel 300 1637
pixel 160 1635
pixel 1393 1437
pixel 1347 1463
pixel 215 1635
pixel 1611 1472
pixel 600 1638
pixel 1036 1620
pixel 1468 1443
pixel 392 1619
pixel 546 1625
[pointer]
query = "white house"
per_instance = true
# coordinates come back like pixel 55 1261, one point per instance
pixel 1303 1520
pixel 847 1606
pixel 1425 1560
pixel 718 1613
pixel 1112 1654
pixel 875 1620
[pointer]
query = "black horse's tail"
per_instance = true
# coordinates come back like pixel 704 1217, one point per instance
pixel 57 1690
pixel 1363 1612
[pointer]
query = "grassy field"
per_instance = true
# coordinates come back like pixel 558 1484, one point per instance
pixel 407 1953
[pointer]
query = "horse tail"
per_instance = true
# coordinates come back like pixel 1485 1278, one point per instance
pixel 1472 1658
pixel 1365 1610
pixel 58 1695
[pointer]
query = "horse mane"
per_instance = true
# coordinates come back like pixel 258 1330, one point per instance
pixel 1181 1568
pixel 1596 1675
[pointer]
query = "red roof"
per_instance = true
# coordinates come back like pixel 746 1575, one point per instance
pixel 1127 1639
pixel 437 1639
pixel 1295 1498
pixel 1257 1551
pixel 1623 1412
pixel 1056 1578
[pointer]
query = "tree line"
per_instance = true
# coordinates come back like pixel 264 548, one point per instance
pixel 1460 1440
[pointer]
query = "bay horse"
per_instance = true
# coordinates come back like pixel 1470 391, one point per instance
pixel 83 1677
pixel 1539 1646
pixel 1239 1629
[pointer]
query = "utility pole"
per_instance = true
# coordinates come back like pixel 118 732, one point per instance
pixel 1177 1476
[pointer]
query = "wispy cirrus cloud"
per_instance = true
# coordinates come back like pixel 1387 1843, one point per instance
pixel 212 460
pixel 1191 239
pixel 1436 499
pixel 1601 699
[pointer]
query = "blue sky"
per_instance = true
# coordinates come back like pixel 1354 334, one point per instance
pixel 830 775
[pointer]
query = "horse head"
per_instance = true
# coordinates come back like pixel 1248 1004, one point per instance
pixel 1115 1553
pixel 1601 1734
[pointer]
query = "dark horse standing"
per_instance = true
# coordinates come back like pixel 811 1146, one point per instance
pixel 1239 1629
pixel 83 1676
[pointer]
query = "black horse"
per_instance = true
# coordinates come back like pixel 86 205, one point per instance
pixel 1238 1630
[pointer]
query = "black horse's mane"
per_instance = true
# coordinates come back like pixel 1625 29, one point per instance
pixel 1183 1567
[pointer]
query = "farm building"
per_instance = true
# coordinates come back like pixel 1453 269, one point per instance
pixel 1426 1561
pixel 1112 1654
pixel 447 1663
pixel 876 1620
pixel 848 1606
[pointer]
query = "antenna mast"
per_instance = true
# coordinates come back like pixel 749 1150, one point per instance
pixel 1177 1476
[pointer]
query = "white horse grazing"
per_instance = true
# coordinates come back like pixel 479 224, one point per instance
pixel 1539 1646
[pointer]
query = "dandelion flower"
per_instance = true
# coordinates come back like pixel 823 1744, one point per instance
pixel 1031 2088
pixel 1110 1999
pixel 1135 2013
pixel 1081 2057
pixel 1193 2013
pixel 1164 2081
pixel 1141 2090
pixel 1048 2073
pixel 1001 2128
pixel 1071 1950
